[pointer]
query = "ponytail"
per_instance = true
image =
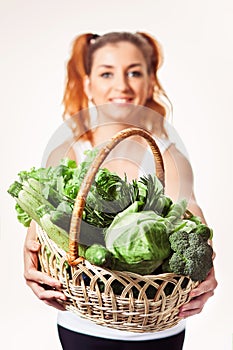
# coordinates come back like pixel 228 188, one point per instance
pixel 74 99
pixel 156 102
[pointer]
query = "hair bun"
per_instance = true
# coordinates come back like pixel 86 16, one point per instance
pixel 93 38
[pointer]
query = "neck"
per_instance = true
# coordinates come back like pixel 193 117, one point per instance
pixel 105 131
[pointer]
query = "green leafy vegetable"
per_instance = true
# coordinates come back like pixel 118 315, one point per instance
pixel 139 240
pixel 125 226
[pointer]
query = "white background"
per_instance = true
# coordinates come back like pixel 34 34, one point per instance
pixel 197 75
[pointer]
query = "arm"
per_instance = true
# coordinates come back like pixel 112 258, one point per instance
pixel 179 184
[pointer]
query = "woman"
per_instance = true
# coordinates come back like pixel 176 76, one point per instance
pixel 117 72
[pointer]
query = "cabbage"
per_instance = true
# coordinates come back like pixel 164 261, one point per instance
pixel 138 240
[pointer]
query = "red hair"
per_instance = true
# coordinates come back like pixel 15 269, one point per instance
pixel 74 99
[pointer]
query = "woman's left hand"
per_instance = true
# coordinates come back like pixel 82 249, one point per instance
pixel 199 296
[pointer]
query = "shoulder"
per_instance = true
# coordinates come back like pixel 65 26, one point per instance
pixel 178 174
pixel 172 155
pixel 73 149
pixel 179 182
pixel 163 143
pixel 65 150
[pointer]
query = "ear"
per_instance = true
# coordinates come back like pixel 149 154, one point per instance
pixel 87 87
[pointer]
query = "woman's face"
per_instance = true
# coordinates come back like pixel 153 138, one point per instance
pixel 118 78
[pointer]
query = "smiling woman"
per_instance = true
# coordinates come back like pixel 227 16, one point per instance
pixel 122 77
pixel 129 61
pixel 118 73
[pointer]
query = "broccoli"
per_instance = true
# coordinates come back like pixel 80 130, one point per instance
pixel 191 255
pixel 204 231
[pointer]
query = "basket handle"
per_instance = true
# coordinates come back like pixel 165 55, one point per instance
pixel 79 204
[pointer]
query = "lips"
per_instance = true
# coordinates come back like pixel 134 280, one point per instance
pixel 121 100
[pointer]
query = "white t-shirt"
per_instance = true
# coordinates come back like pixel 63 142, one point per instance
pixel 77 324
pixel 74 322
pixel 128 149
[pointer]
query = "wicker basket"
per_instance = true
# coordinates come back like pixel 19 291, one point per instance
pixel 142 303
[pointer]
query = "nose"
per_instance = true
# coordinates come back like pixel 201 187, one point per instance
pixel 120 82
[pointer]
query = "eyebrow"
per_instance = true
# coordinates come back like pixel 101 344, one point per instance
pixel 110 66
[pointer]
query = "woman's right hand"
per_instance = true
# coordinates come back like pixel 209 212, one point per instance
pixel 46 288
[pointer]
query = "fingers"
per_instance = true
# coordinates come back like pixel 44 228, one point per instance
pixel 32 245
pixel 50 297
pixel 206 286
pixel 46 288
pixel 199 296
pixel 195 306
pixel 32 275
pixel 55 304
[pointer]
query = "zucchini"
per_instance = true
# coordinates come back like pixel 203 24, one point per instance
pixel 28 203
pixel 35 185
pixel 58 235
pixel 55 233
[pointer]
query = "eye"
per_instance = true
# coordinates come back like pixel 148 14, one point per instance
pixel 134 74
pixel 106 75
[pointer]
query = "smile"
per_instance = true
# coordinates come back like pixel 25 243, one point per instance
pixel 121 100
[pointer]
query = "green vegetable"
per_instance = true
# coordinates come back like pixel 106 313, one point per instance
pixel 29 204
pixel 125 226
pixel 108 196
pixel 176 211
pixel 98 255
pixel 205 232
pixel 28 200
pixel 191 255
pixel 150 192
pixel 59 236
pixel 22 216
pixel 138 241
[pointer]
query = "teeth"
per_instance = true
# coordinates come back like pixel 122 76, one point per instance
pixel 120 100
